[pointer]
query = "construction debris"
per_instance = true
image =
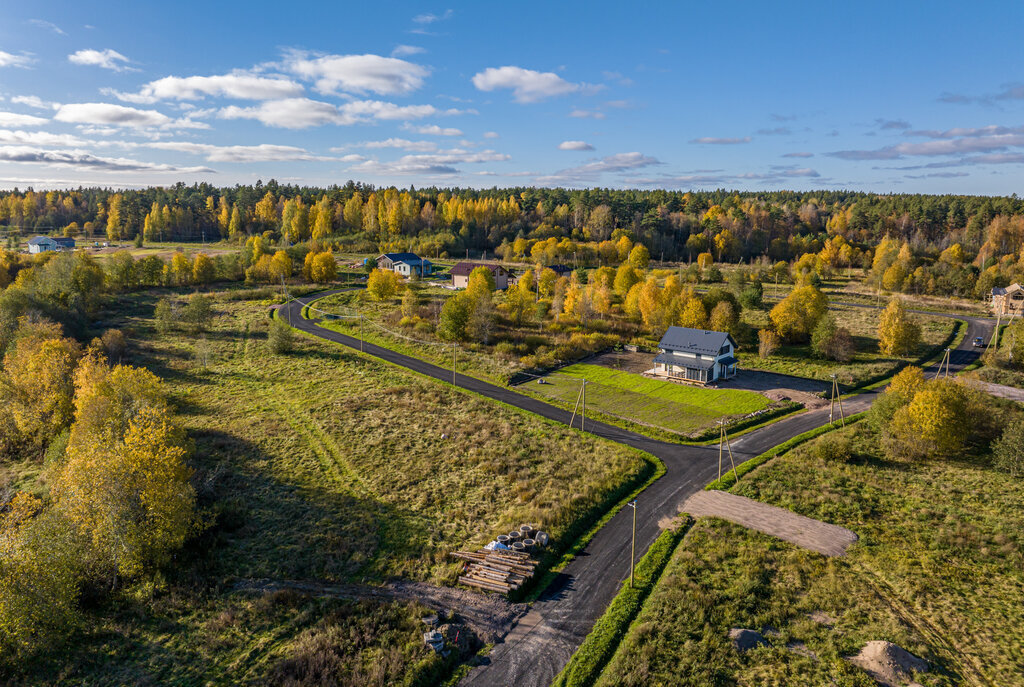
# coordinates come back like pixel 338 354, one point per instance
pixel 505 564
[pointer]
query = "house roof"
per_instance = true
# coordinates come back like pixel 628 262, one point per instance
pixel 464 269
pixel 559 269
pixel 59 240
pixel 402 257
pixel 693 363
pixel 728 360
pixel 695 340
pixel 1002 291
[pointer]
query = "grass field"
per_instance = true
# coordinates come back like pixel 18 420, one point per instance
pixel 675 407
pixel 938 570
pixel 321 465
pixel 867 362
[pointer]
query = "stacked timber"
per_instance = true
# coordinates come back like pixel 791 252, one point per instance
pixel 496 571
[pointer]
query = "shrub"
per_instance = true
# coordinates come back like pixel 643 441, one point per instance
pixel 279 338
pixel 834 448
pixel 198 312
pixel 768 343
pixel 1008 450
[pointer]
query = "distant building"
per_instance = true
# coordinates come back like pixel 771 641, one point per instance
pixel 1008 300
pixel 460 274
pixel 560 270
pixel 405 264
pixel 41 244
pixel 695 355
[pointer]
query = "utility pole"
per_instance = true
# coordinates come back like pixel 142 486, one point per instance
pixel 360 333
pixel 455 355
pixel 836 397
pixel 581 396
pixel 723 438
pixel 632 548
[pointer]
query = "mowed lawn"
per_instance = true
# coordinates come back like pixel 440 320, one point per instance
pixel 675 407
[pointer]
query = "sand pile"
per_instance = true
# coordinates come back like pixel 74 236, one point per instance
pixel 888 663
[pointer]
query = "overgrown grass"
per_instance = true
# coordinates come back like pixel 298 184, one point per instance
pixel 323 464
pixel 675 407
pixel 938 570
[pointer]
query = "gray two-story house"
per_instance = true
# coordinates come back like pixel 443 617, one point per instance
pixel 695 355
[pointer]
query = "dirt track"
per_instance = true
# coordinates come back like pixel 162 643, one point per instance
pixel 490 615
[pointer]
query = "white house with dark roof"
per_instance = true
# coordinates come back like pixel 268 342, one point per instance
pixel 695 355
pixel 405 264
pixel 42 244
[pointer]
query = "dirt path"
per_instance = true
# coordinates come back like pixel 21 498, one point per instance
pixel 490 616
pixel 827 539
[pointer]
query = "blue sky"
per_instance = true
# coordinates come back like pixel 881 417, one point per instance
pixel 886 97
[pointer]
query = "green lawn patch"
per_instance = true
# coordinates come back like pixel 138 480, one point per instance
pixel 674 407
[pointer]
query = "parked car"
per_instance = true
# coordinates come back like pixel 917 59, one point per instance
pixel 979 342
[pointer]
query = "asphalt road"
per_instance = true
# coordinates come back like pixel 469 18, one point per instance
pixel 544 640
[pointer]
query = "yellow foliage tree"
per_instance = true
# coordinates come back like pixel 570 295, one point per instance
pixel 694 315
pixel 898 333
pixel 204 270
pixel 36 384
pixel 795 316
pixel 132 499
pixel 705 260
pixel 382 285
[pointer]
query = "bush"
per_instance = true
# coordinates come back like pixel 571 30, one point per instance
pixel 280 337
pixel 834 448
pixel 1008 450
pixel 198 312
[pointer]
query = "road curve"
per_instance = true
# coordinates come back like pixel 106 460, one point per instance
pixel 537 649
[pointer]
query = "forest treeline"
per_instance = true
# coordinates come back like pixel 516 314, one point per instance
pixel 434 220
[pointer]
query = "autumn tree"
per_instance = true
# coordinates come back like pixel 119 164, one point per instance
pixel 131 498
pixel 934 424
pixel 204 270
pixel 36 383
pixel 795 316
pixel 382 285
pixel 694 315
pixel 625 277
pixel 639 257
pixel 898 332
pixel 519 303
pixel 481 282
pixel 322 267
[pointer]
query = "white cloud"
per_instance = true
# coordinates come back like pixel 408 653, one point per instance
pixel 490 134
pixel 333 74
pixel 400 143
pixel 39 138
pixel 264 152
pixel 80 158
pixel 527 85
pixel 592 171
pixel 586 114
pixel 34 101
pixel 433 130
pixel 108 114
pixel 241 85
pixel 431 18
pixel 302 113
pixel 711 140
pixel 575 145
pixel 406 50
pixel 49 25
pixel 107 59
pixel 439 163
pixel 9 60
pixel 799 154
pixel 15 119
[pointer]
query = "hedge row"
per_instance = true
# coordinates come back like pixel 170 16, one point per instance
pixel 598 648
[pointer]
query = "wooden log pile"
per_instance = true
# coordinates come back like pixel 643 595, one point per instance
pixel 496 571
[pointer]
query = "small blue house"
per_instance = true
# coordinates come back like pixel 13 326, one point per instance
pixel 405 264
pixel 42 244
